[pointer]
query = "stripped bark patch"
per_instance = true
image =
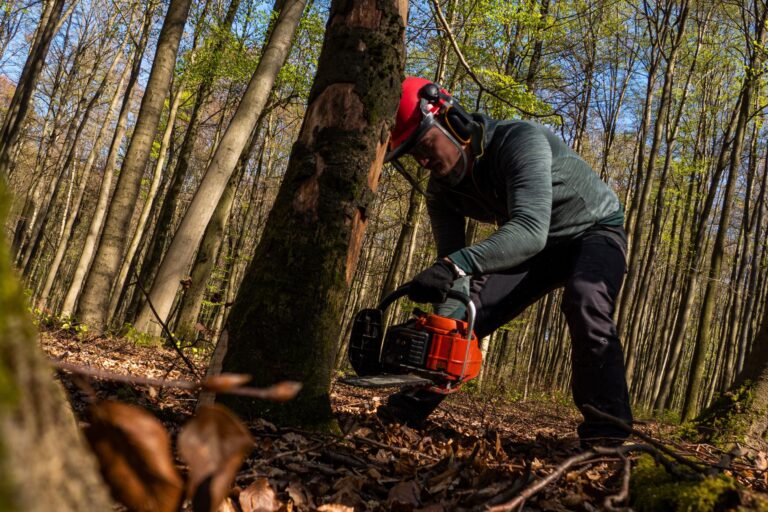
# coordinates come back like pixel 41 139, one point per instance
pixel 338 105
pixel 355 242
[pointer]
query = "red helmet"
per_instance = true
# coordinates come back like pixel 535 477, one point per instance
pixel 410 115
pixel 422 104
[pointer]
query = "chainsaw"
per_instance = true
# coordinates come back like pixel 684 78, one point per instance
pixel 428 350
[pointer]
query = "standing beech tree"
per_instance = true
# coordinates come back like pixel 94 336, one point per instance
pixel 94 303
pixel 287 314
pixel 181 252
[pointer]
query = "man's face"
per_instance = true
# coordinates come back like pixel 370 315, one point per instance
pixel 436 152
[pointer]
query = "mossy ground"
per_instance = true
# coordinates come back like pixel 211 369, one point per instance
pixel 653 489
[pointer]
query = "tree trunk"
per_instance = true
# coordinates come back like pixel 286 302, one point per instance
pixel 93 306
pixel 147 208
pixel 45 464
pixel 22 97
pixel 693 392
pixel 285 320
pixel 158 240
pixel 178 259
pixel 191 302
pixel 53 271
pixel 97 222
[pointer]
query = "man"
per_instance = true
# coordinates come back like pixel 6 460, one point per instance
pixel 559 226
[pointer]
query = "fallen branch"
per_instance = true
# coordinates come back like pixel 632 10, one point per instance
pixel 623 494
pixel 648 439
pixel 230 384
pixel 591 456
pixel 529 491
pixel 396 449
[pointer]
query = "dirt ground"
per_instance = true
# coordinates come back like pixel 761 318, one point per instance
pixel 477 451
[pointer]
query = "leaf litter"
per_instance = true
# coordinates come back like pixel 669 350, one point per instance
pixel 474 452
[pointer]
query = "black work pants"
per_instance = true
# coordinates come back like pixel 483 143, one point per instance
pixel 590 269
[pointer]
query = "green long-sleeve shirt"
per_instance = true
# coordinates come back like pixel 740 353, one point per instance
pixel 534 187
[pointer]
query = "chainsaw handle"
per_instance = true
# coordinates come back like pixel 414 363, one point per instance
pixel 403 291
pixel 452 294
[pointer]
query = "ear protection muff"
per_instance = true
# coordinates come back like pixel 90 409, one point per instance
pixel 452 115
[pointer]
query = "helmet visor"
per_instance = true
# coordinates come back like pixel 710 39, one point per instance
pixel 439 152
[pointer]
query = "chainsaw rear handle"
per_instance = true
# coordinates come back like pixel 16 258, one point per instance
pixel 452 294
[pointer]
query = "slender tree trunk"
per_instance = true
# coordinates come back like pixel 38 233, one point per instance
pixel 693 391
pixel 93 305
pixel 94 231
pixel 163 231
pixel 191 302
pixel 179 256
pixel 307 255
pixel 641 202
pixel 147 208
pixel 61 249
pixel 22 97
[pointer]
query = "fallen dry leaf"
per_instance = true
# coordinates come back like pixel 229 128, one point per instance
pixel 134 452
pixel 298 494
pixel 404 496
pixel 213 444
pixel 259 497
pixel 224 382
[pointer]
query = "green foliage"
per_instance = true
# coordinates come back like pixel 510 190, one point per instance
pixel 653 489
pixel 139 338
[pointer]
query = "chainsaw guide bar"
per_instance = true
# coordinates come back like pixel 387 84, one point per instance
pixel 385 381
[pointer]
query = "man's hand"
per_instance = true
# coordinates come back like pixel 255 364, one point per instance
pixel 433 284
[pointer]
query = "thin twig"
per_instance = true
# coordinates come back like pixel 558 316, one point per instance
pixel 263 393
pixel 623 494
pixel 167 331
pixel 529 491
pixel 470 71
pixel 396 449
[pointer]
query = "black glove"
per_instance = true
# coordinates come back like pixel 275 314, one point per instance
pixel 433 284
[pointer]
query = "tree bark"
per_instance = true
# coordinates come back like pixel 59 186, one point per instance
pixel 22 97
pixel 93 306
pixel 178 258
pixel 97 222
pixel 287 314
pixel 693 391
pixel 45 464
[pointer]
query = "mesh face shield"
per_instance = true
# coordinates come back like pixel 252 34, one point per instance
pixel 429 120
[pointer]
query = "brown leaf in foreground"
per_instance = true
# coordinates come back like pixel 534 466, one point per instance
pixel 259 497
pixel 213 444
pixel 134 453
pixel 282 391
pixel 224 381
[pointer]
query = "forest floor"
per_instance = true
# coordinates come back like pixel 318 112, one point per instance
pixel 476 451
